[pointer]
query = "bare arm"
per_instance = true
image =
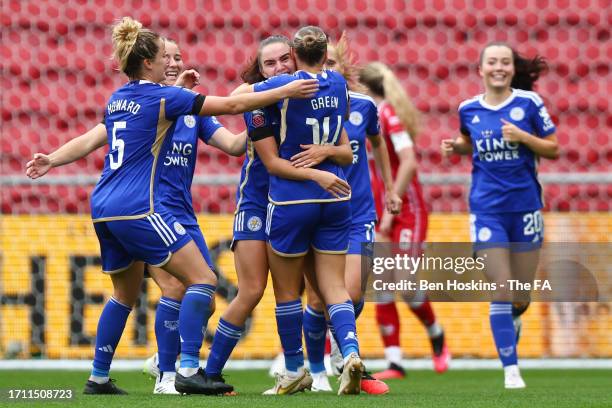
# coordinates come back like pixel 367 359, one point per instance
pixel 406 170
pixel 461 145
pixel 381 157
pixel 223 105
pixel 314 154
pixel 228 142
pixel 75 149
pixel 268 153
pixel 242 89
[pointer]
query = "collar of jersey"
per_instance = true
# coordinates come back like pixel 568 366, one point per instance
pixel 497 107
pixel 314 76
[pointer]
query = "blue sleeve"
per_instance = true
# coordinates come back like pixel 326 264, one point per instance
pixel 180 101
pixel 274 82
pixel 373 126
pixel 462 127
pixel 207 126
pixel 259 124
pixel 541 120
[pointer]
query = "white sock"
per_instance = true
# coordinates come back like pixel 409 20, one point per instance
pixel 393 355
pixel 512 370
pixel 434 330
pixel 187 371
pixel 168 375
pixel 295 374
pixel 98 380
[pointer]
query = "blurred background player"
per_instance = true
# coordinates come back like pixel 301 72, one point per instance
pixel 399 127
pixel 506 129
pixel 362 125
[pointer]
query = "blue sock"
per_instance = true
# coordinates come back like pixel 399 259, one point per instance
pixel 193 318
pixel 226 338
pixel 502 327
pixel 358 308
pixel 289 323
pixel 110 328
pixel 342 316
pixel 166 332
pixel 314 336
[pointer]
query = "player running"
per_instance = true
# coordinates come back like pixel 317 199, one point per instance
pixel 506 129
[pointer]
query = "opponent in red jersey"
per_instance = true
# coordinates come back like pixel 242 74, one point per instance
pixel 398 122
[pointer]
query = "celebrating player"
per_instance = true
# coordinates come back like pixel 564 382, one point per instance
pixel 398 119
pixel 506 130
pixel 130 220
pixel 362 124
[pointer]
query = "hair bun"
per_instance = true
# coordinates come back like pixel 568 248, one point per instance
pixel 126 31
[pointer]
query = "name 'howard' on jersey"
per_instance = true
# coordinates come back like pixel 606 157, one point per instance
pixel 317 120
pixel 504 174
pixel 139 121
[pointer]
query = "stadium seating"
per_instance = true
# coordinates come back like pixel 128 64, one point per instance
pixel 58 76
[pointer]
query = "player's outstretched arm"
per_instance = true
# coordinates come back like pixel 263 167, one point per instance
pixel 381 158
pixel 268 153
pixel 232 105
pixel 314 154
pixel 228 142
pixel 75 149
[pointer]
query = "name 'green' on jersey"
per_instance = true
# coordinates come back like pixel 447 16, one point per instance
pixel 140 120
pixel 504 174
pixel 316 120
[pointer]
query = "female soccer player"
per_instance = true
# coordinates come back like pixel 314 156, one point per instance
pixel 130 220
pixel 309 207
pixel 398 119
pixel 506 130
pixel 362 124
pixel 175 185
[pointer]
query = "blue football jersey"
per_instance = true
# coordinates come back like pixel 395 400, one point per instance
pixel 504 174
pixel 316 120
pixel 140 120
pixel 254 183
pixel 179 162
pixel 363 122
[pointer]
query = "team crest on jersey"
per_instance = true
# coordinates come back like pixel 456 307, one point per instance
pixel 189 121
pixel 254 224
pixel 258 119
pixel 179 228
pixel 356 118
pixel 517 113
pixel 484 234
pixel 487 133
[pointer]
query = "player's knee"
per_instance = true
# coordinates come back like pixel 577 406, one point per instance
pixel 252 293
pixel 173 289
pixel 316 304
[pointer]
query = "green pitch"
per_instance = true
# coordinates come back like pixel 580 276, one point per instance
pixel 483 388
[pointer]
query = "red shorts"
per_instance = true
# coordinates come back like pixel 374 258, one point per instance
pixel 410 232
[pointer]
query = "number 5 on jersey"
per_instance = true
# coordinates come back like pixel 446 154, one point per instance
pixel 117 145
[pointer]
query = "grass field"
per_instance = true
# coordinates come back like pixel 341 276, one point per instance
pixel 480 388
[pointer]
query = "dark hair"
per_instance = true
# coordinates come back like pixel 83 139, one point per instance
pixel 251 73
pixel 132 44
pixel 310 44
pixel 526 70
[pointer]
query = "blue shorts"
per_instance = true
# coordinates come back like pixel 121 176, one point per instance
pixel 519 231
pixel 152 239
pixel 249 226
pixel 361 233
pixel 292 229
pixel 195 233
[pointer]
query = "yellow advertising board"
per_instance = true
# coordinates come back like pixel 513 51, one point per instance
pixel 52 293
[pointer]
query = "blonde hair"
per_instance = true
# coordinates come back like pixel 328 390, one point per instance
pixel 381 81
pixel 310 44
pixel 346 61
pixel 132 44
